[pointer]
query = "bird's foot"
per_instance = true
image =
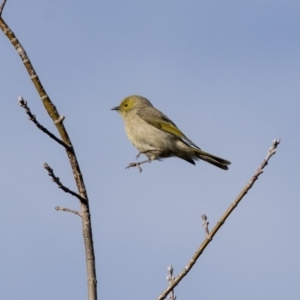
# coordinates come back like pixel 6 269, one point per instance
pixel 137 164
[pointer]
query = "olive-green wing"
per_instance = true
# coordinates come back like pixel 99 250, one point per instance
pixel 168 126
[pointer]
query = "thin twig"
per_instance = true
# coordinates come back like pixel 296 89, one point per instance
pixel 68 210
pixel 2 7
pixel 208 239
pixel 32 117
pixel 170 279
pixel 60 185
pixel 205 224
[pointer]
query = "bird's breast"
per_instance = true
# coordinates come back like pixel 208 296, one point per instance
pixel 146 137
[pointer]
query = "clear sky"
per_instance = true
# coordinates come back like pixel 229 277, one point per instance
pixel 227 73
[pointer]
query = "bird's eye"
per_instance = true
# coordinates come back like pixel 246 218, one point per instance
pixel 126 104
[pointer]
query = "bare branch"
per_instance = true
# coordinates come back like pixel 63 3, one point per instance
pixel 208 239
pixel 68 210
pixel 32 117
pixel 54 115
pixel 60 185
pixel 2 7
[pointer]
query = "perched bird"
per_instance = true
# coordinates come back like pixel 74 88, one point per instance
pixel 156 136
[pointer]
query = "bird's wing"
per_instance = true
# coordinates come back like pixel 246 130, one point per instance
pixel 168 126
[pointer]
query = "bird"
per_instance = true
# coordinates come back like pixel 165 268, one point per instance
pixel 157 137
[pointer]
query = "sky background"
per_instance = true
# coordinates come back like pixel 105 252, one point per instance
pixel 227 73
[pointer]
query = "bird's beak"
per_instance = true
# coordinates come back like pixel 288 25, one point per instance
pixel 115 108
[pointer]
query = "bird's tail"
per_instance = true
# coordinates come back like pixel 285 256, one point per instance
pixel 214 160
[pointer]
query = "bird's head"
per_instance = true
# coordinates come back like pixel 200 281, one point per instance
pixel 130 103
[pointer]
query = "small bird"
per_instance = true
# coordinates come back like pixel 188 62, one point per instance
pixel 156 136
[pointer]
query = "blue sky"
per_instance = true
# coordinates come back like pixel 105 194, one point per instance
pixel 227 73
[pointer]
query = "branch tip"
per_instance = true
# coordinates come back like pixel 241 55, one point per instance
pixel 21 100
pixel 170 278
pixel 205 224
pixel 68 210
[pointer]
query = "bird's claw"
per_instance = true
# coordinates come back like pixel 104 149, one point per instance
pixel 134 165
